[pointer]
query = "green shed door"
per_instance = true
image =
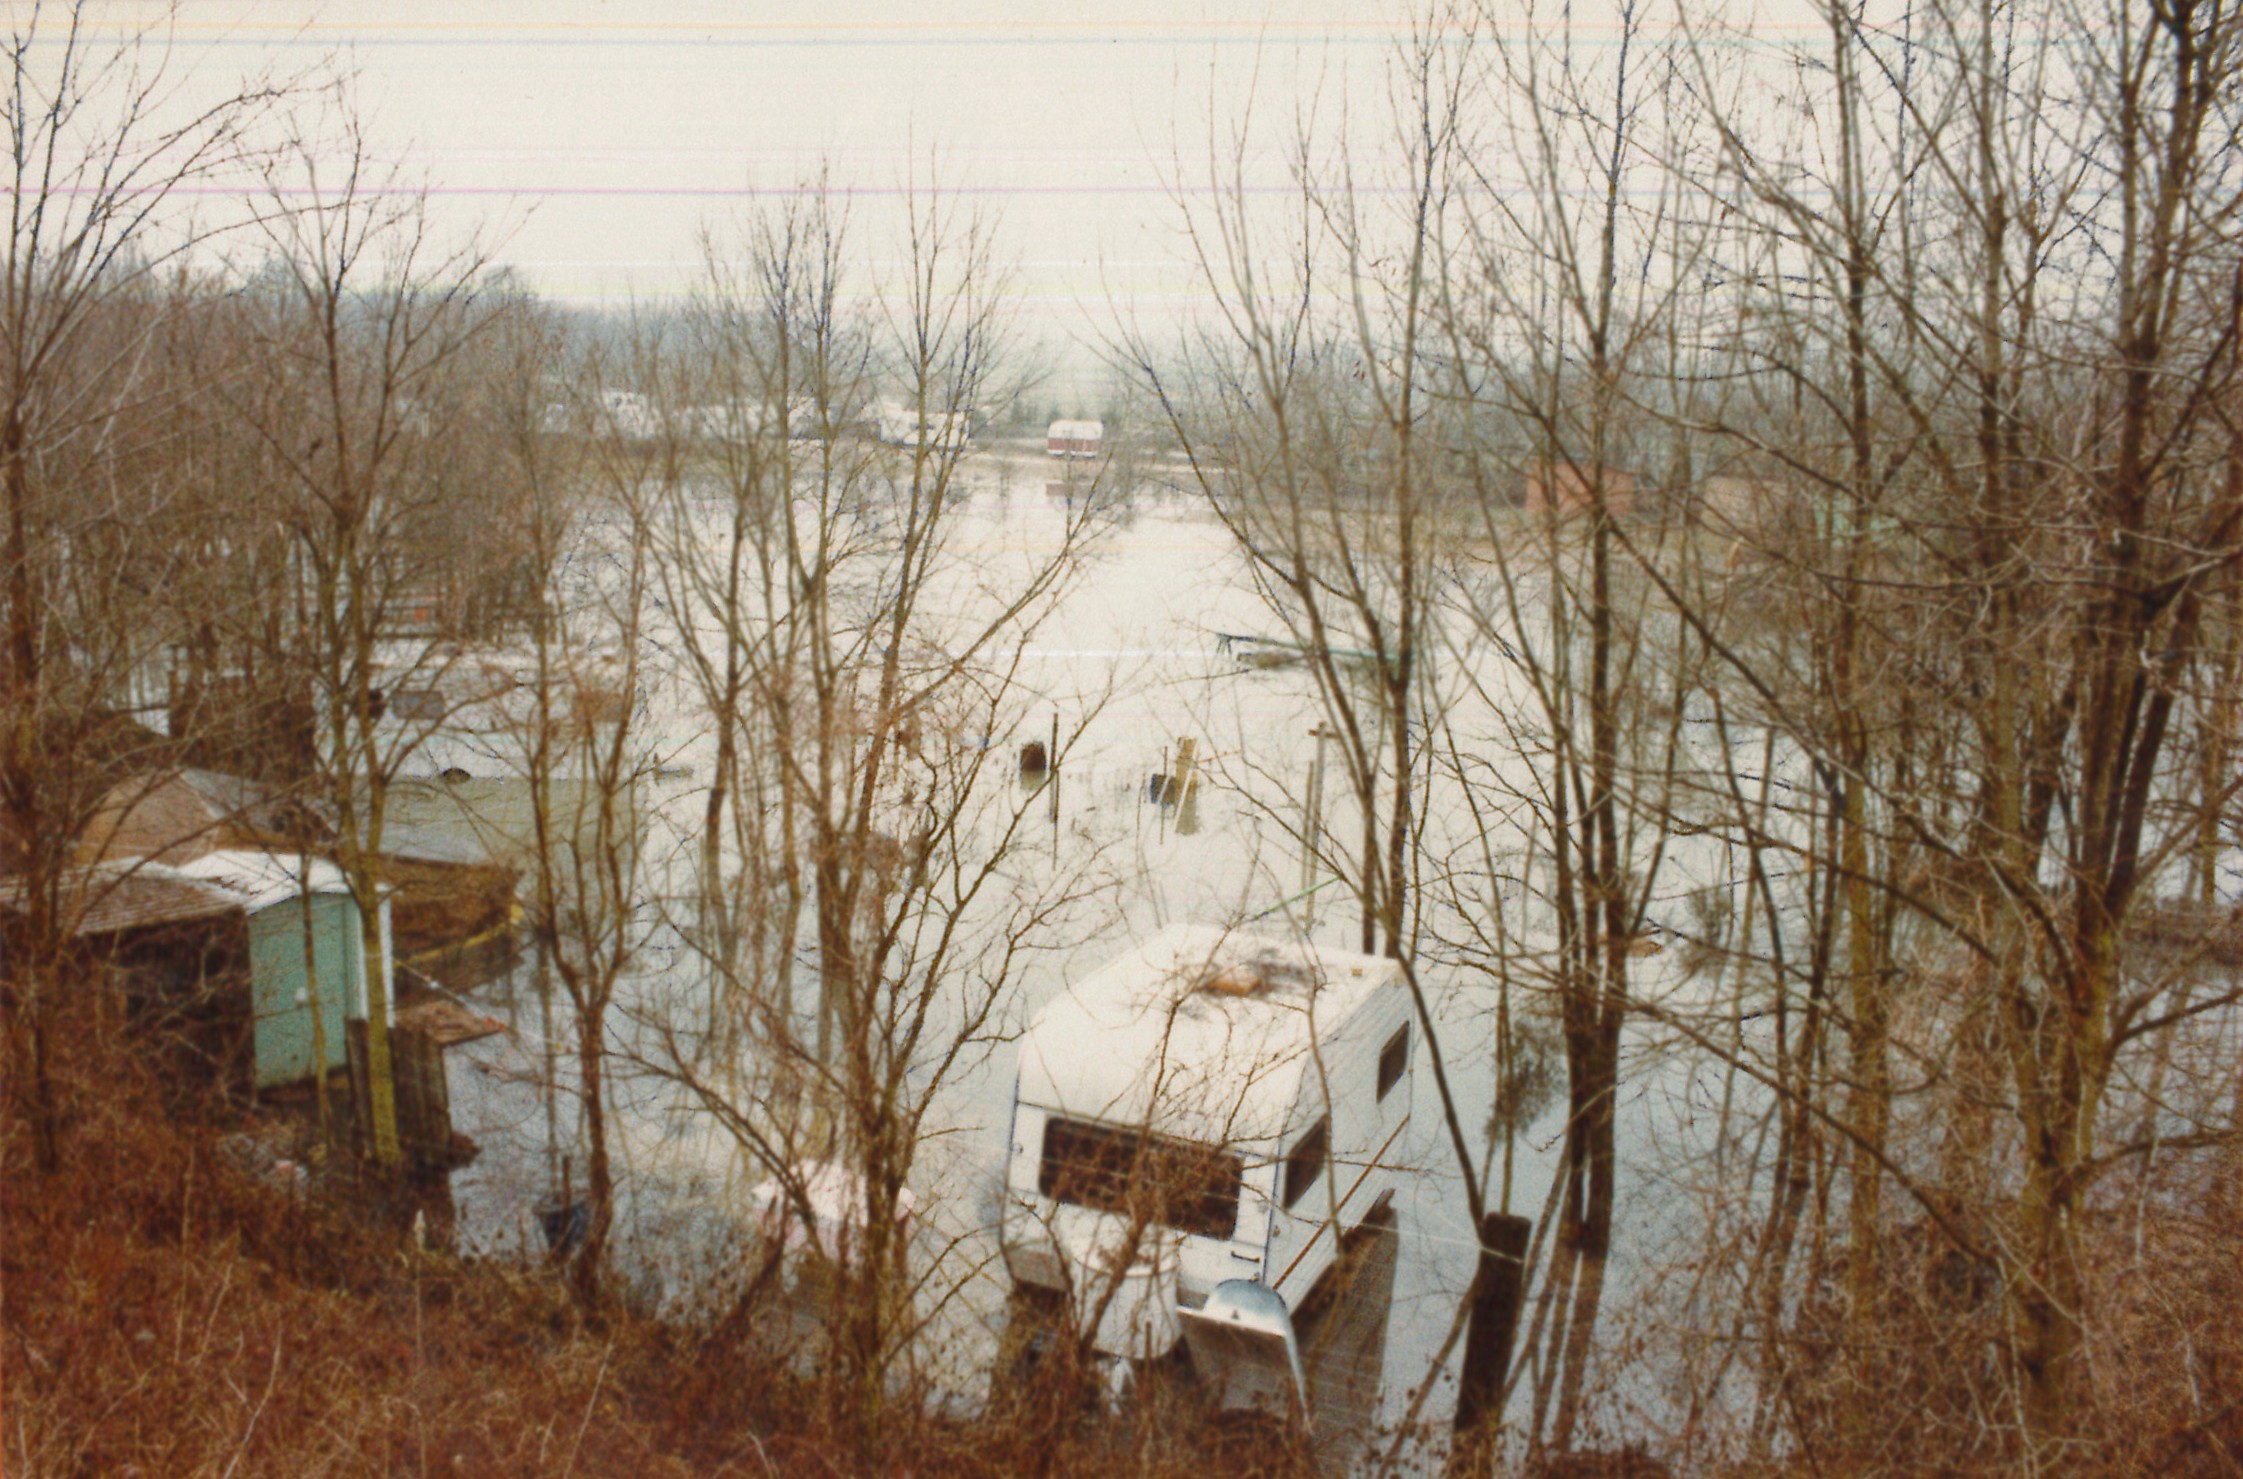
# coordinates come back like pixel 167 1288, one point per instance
pixel 281 985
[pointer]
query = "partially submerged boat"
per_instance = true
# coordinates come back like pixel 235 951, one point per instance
pixel 1279 652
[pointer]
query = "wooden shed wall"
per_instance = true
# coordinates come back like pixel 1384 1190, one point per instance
pixel 285 980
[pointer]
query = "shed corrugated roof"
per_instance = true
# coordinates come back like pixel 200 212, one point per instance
pixel 150 896
pixel 447 1021
pixel 424 842
pixel 263 879
pixel 116 897
pixel 173 816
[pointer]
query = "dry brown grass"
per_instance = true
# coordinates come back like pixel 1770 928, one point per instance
pixel 2157 1387
pixel 165 1317
pixel 160 1316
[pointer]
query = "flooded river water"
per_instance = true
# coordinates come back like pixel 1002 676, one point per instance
pixel 1129 662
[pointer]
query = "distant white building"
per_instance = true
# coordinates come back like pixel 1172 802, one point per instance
pixel 900 426
pixel 629 414
pixel 1075 438
pixel 720 423
pixel 743 421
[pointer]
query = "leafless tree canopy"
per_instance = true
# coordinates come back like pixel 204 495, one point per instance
pixel 1757 522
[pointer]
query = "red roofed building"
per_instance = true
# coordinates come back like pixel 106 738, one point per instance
pixel 1075 438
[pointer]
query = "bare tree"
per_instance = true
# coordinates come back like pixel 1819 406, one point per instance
pixel 863 907
pixel 100 154
pixel 1316 423
pixel 1431 449
pixel 362 315
pixel 588 760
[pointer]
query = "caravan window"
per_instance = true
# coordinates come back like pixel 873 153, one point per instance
pixel 1305 1161
pixel 1394 1060
pixel 1192 1188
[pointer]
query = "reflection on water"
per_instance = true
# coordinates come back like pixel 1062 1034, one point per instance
pixel 1185 774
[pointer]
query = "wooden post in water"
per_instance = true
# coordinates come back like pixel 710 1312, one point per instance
pixel 1180 775
pixel 1054 753
pixel 1156 786
pixel 1496 1286
pixel 1312 822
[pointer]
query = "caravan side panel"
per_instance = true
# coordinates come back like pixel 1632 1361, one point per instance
pixel 1361 1142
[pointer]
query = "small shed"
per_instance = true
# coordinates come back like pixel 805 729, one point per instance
pixel 306 955
pixel 453 901
pixel 1075 438
pixel 245 949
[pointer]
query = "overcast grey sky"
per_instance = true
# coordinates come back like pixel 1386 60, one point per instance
pixel 601 136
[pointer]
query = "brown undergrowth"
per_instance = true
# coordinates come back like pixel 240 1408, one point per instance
pixel 163 1315
pixel 1924 1388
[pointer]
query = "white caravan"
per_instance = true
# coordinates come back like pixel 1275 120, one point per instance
pixel 1208 1109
